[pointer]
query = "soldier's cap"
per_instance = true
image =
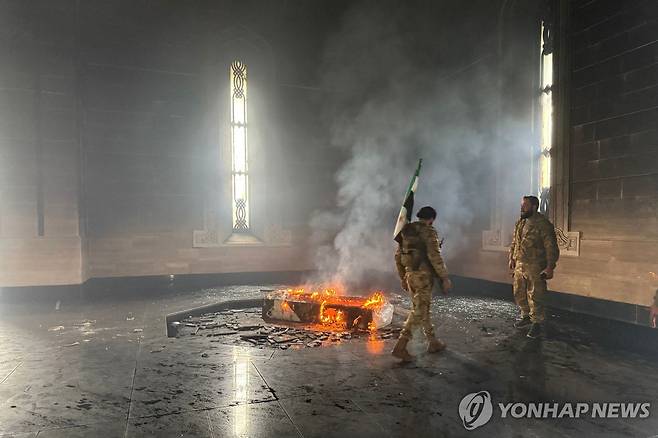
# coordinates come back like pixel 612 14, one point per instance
pixel 426 213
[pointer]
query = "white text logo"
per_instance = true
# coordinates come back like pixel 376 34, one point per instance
pixel 476 409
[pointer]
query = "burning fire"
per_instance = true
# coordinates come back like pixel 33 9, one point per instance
pixel 374 300
pixel 331 296
pixel 330 300
pixel 331 315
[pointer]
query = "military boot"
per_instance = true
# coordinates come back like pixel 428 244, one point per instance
pixel 435 345
pixel 400 350
pixel 535 331
pixel 523 322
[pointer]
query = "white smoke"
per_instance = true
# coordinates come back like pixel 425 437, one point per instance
pixel 399 102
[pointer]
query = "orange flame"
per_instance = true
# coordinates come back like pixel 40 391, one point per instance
pixel 331 315
pixel 374 300
pixel 285 306
pixel 328 296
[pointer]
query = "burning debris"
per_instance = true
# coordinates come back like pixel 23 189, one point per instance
pixel 327 308
pixel 294 318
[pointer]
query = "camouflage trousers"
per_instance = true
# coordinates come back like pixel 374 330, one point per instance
pixel 529 289
pixel 420 285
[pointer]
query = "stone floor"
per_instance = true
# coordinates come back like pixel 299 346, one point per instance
pixel 107 369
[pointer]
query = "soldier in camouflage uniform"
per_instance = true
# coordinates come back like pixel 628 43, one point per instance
pixel 418 260
pixel 532 258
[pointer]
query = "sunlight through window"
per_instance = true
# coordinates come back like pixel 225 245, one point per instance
pixel 546 114
pixel 239 149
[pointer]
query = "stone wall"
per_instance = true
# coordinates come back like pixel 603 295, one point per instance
pixel 113 129
pixel 612 95
pixel 40 241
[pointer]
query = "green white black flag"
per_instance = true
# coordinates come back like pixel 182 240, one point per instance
pixel 408 204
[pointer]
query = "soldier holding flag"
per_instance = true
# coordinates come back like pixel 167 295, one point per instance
pixel 418 260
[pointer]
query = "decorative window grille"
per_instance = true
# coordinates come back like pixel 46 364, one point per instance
pixel 546 118
pixel 239 149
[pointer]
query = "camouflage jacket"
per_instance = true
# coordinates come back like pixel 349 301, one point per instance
pixel 534 242
pixel 420 251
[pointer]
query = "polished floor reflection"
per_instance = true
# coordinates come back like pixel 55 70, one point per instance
pixel 106 369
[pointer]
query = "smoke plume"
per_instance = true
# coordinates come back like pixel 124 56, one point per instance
pixel 405 92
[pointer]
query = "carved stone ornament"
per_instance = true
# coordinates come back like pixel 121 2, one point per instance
pixel 210 237
pixel 492 241
pixel 568 242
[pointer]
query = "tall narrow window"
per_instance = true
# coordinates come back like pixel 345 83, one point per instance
pixel 239 149
pixel 546 121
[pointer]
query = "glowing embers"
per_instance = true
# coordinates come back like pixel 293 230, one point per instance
pixel 327 308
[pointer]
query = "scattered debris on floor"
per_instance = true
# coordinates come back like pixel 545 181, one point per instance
pixel 246 327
